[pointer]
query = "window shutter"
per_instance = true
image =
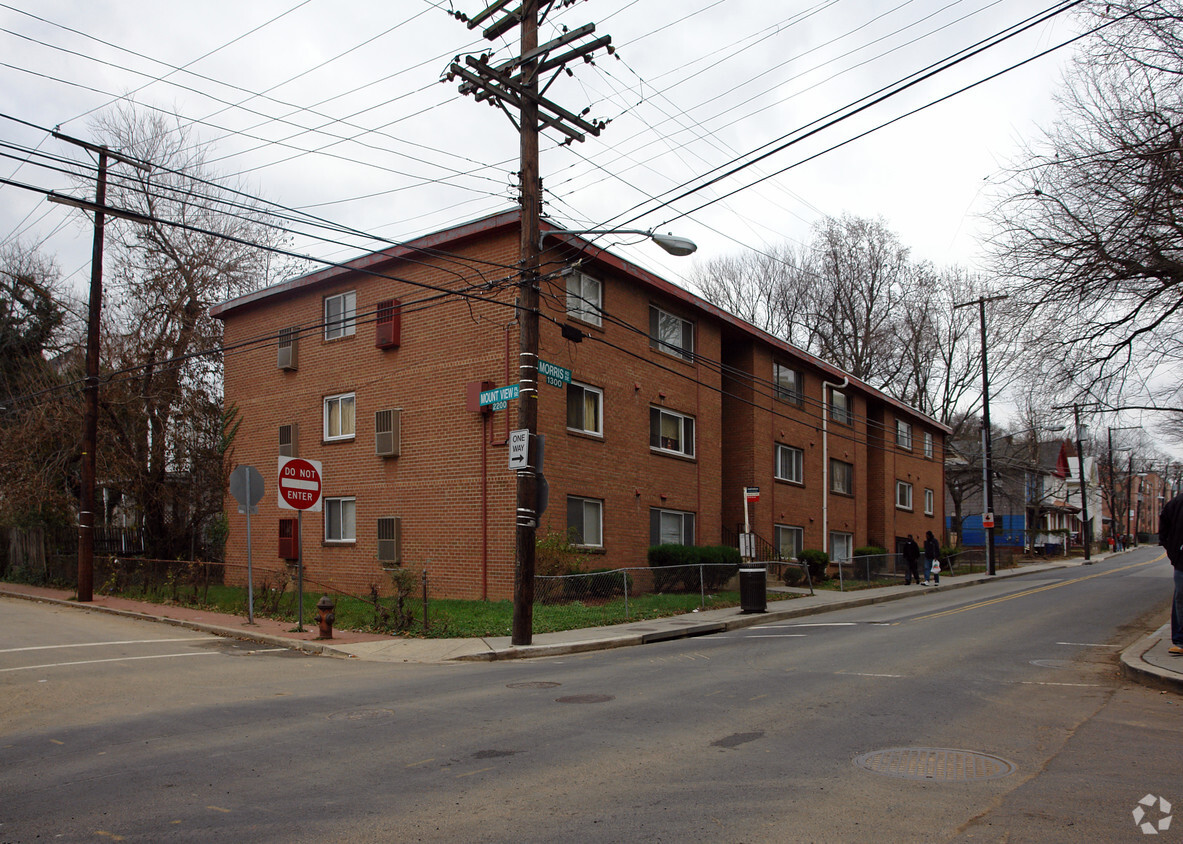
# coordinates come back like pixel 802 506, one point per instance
pixel 387 433
pixel 688 529
pixel 287 440
pixel 286 357
pixel 654 527
pixel 390 538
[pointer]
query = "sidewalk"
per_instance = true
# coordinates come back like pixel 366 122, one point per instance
pixel 1147 660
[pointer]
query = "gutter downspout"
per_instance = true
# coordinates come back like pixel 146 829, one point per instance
pixel 833 385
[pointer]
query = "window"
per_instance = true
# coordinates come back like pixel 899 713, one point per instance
pixel 340 519
pixel 789 383
pixel 841 546
pixel 928 445
pixel 903 495
pixel 841 477
pixel 670 333
pixel 339 417
pixel 929 502
pixel 584 298
pixel 671 526
pixel 585 521
pixel 903 434
pixel 584 407
pixel 789 540
pixel 340 315
pixel 671 432
pixel 789 464
pixel 840 408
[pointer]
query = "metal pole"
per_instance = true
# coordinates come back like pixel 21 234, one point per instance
pixel 90 395
pixel 988 468
pixel 250 581
pixel 1086 527
pixel 300 571
pixel 531 201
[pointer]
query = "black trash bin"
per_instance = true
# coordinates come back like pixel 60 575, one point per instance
pixel 753 581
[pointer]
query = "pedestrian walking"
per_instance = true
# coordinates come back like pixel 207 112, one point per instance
pixel 932 555
pixel 1170 536
pixel 911 552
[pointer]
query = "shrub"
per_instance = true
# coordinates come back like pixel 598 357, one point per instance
pixel 818 562
pixel 663 557
pixel 870 560
pixel 599 583
pixel 792 575
pixel 869 551
pixel 720 562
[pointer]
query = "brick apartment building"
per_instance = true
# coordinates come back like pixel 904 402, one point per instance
pixel 674 407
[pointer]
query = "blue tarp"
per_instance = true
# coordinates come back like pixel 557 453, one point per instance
pixel 1008 529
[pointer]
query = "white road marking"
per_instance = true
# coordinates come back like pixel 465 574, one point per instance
pixel 1087 645
pixel 116 659
pixel 861 674
pixel 100 644
pixel 1077 685
pixel 778 636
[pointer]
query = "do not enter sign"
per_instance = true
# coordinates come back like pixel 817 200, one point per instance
pixel 299 484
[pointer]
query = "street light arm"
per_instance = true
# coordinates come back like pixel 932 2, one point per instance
pixel 674 245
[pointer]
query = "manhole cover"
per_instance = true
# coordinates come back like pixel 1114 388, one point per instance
pixel 934 763
pixel 584 699
pixel 362 715
pixel 536 684
pixel 1052 663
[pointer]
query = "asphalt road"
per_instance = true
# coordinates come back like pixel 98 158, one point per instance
pixel 121 730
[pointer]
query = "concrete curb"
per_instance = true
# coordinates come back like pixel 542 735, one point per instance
pixel 1134 666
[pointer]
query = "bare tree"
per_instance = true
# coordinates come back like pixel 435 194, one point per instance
pixel 1090 230
pixel 161 407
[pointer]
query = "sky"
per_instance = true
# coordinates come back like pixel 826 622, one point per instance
pixel 342 111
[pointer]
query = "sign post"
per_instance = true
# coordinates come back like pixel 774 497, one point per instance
pixel 747 545
pixel 246 485
pixel 299 490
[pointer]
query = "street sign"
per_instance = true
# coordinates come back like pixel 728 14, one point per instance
pixel 499 396
pixel 987 520
pixel 555 375
pixel 519 448
pixel 751 494
pixel 299 484
pixel 246 485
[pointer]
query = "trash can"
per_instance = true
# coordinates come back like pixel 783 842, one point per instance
pixel 753 581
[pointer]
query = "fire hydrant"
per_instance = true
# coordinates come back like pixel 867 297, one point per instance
pixel 325 617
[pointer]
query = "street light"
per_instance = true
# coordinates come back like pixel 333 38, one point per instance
pixel 679 247
pixel 526 525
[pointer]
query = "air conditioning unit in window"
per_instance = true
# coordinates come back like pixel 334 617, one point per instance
pixel 388 328
pixel 387 433
pixel 390 539
pixel 287 440
pixel 289 540
pixel 286 356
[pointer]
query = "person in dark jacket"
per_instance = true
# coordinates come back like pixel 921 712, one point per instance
pixel 911 552
pixel 1170 536
pixel 932 551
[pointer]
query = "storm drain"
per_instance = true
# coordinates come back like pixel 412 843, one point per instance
pixel 934 763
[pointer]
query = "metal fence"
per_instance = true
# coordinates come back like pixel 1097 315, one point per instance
pixel 620 591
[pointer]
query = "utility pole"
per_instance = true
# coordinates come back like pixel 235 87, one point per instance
pixel 987 450
pixel 515 83
pixel 1086 526
pixel 90 390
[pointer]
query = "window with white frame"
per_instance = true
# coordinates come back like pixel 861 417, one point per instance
pixel 340 519
pixel 671 432
pixel 585 409
pixel 841 546
pixel 840 410
pixel 585 521
pixel 789 464
pixel 340 315
pixel 340 413
pixel 671 334
pixel 841 477
pixel 670 526
pixel 903 434
pixel 929 502
pixel 903 495
pixel 790 540
pixel 789 383
pixel 585 298
pixel 928 445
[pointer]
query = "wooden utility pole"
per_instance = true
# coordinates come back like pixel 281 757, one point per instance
pixel 515 84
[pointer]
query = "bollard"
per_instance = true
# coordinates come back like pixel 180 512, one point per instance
pixel 325 616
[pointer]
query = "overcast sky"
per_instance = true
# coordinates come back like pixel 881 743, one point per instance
pixel 338 109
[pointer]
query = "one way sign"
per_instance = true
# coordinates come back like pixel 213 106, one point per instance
pixel 519 448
